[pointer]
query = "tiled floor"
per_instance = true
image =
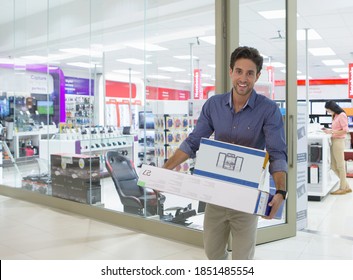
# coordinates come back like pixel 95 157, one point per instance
pixel 29 231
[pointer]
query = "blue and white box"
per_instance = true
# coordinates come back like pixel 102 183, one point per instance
pixel 222 193
pixel 231 163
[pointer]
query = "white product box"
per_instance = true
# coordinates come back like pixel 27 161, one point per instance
pixel 231 163
pixel 230 195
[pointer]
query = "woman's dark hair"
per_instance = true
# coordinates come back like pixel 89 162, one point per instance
pixel 249 53
pixel 334 107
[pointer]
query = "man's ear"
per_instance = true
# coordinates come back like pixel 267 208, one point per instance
pixel 230 71
pixel 258 76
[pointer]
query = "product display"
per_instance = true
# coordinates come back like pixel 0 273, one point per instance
pixel 76 177
pixel 170 131
pixel 321 179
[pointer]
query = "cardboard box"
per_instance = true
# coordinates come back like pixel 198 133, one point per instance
pixel 230 195
pixel 231 163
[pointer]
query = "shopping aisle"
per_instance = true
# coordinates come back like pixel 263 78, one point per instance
pixel 29 231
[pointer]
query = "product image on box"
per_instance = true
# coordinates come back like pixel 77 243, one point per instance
pixel 231 163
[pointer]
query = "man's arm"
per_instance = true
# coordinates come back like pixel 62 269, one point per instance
pixel 280 182
pixel 176 159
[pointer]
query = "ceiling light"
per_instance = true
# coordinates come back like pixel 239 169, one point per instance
pixel 134 61
pixel 124 71
pixel 275 64
pixel 321 51
pixel 209 39
pixel 171 69
pixel 273 14
pixel 340 70
pixel 146 46
pixel 159 77
pixel 331 62
pixel 83 64
pixel 312 35
pixel 183 81
pixel 80 51
pixel 207 85
pixel 211 65
pixel 284 71
pixel 185 57
pixel 344 76
pixel 303 77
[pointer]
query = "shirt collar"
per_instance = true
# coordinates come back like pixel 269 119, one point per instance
pixel 250 101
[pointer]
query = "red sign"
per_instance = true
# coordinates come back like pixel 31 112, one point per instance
pixel 271 79
pixel 158 93
pixel 197 84
pixel 350 80
pixel 119 89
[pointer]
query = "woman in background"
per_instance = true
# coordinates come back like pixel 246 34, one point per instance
pixel 338 131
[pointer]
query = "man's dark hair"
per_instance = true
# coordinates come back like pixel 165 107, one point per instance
pixel 249 53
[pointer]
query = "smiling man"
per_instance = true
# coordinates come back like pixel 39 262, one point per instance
pixel 245 118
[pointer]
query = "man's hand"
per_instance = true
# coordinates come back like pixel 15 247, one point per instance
pixel 275 203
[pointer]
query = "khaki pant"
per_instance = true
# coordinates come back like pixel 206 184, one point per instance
pixel 219 222
pixel 337 161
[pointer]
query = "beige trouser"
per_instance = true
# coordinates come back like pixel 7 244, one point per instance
pixel 218 224
pixel 337 161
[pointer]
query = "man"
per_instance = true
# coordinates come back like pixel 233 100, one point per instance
pixel 241 117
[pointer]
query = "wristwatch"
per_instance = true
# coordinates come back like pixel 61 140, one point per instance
pixel 283 193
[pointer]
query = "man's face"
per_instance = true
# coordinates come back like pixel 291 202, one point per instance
pixel 243 76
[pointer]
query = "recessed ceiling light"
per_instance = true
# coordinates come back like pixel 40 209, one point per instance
pixel 80 51
pixel 331 62
pixel 211 65
pixel 284 71
pixel 183 81
pixel 209 39
pixel 273 14
pixel 83 64
pixel 171 69
pixel 134 61
pixel 344 76
pixel 340 70
pixel 275 64
pixel 321 51
pixel 207 85
pixel 125 71
pixel 146 46
pixel 159 77
pixel 312 35
pixel 185 57
pixel 303 77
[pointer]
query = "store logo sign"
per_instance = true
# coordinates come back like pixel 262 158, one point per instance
pixel 350 80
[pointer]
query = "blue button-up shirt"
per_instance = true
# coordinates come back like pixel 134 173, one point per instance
pixel 258 124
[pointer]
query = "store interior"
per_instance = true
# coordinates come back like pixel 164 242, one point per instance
pixel 132 76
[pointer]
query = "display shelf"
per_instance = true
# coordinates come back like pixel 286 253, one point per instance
pixel 24 139
pixel 348 157
pixel 321 178
pixel 79 109
pixel 97 146
pixel 170 132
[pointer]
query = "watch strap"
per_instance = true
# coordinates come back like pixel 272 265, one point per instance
pixel 283 193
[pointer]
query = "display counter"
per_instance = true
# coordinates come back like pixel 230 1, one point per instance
pixel 321 178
